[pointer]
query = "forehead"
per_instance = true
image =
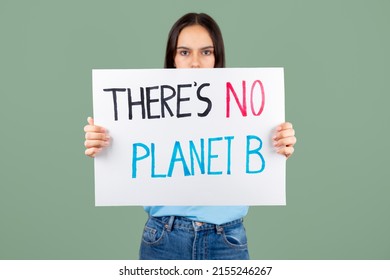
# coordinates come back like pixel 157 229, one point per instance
pixel 194 36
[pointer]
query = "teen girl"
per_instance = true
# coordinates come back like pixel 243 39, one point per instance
pixel 193 232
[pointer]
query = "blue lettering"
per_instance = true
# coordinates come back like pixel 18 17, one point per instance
pixel 174 159
pixel 199 158
pixel 255 151
pixel 211 156
pixel 195 156
pixel 137 158
pixel 229 152
pixel 154 175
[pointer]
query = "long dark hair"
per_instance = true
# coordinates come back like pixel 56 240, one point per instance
pixel 203 20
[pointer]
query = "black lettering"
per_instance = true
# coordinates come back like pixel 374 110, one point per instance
pixel 134 103
pixel 179 100
pixel 125 271
pixel 149 96
pixel 114 90
pixel 163 100
pixel 204 99
pixel 151 100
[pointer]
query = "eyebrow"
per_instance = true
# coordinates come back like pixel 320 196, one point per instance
pixel 186 48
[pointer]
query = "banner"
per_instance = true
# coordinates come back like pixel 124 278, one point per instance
pixel 189 136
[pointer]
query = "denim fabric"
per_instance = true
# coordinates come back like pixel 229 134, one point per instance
pixel 209 214
pixel 178 238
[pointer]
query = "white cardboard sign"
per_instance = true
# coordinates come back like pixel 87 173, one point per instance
pixel 189 136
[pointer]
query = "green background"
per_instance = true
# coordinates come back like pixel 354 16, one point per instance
pixel 336 59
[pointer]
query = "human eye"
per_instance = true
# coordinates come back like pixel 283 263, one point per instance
pixel 207 52
pixel 184 52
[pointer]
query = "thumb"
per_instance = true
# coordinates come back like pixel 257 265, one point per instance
pixel 90 121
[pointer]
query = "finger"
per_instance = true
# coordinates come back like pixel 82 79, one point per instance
pixel 95 144
pixel 92 152
pixel 94 128
pixel 288 141
pixel 284 134
pixel 90 121
pixel 97 136
pixel 283 126
pixel 286 151
pixel 91 127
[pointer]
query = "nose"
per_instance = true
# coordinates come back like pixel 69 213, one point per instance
pixel 195 63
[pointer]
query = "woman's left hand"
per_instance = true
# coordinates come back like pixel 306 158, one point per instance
pixel 284 139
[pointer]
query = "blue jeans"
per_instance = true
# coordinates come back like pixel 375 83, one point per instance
pixel 178 238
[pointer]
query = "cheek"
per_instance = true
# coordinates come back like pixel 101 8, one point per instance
pixel 179 62
pixel 210 62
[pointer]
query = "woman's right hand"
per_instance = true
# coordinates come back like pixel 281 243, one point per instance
pixel 96 138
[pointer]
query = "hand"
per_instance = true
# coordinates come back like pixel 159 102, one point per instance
pixel 284 139
pixel 96 138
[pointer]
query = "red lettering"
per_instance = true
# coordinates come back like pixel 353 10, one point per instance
pixel 241 106
pixel 242 103
pixel 262 98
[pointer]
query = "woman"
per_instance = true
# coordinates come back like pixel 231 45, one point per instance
pixel 193 232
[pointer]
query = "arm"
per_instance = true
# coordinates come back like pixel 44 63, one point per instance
pixel 96 138
pixel 284 139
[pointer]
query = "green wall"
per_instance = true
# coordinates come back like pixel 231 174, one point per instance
pixel 336 59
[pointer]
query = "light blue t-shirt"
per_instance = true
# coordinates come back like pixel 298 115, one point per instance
pixel 210 214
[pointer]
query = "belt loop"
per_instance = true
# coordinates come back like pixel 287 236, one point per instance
pixel 170 223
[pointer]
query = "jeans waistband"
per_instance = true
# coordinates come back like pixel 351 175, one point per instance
pixel 171 222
